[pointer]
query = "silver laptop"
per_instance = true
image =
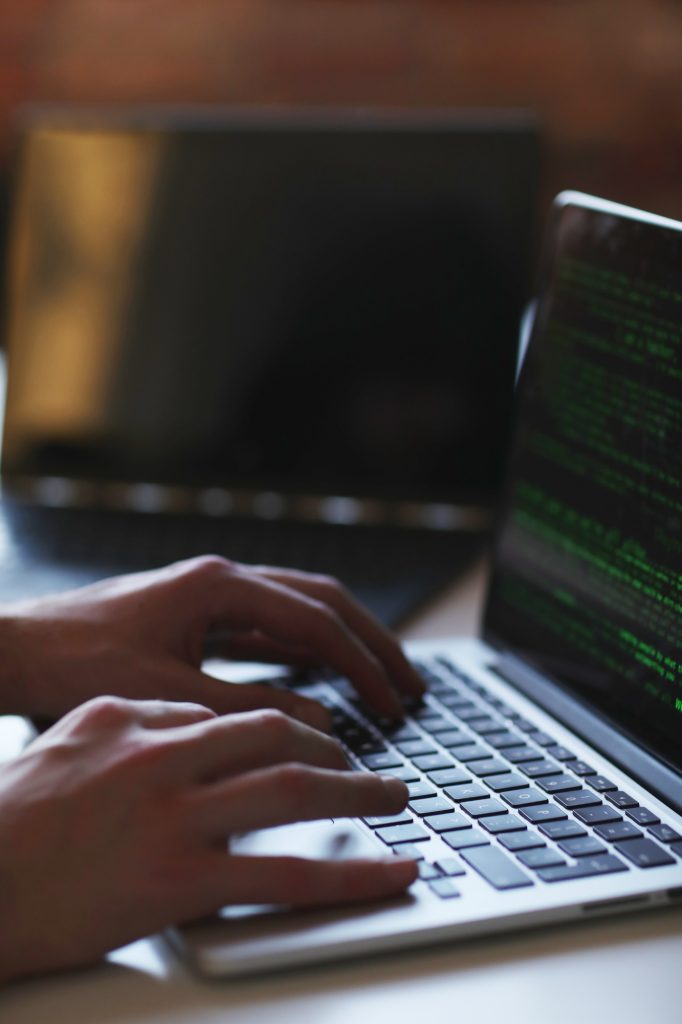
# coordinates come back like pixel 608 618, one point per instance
pixel 544 763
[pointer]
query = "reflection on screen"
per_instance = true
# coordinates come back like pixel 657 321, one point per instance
pixel 590 582
pixel 325 310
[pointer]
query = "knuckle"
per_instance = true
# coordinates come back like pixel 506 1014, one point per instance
pixel 208 567
pixel 107 712
pixel 330 586
pixel 274 725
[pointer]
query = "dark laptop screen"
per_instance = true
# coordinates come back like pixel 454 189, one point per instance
pixel 588 584
pixel 319 304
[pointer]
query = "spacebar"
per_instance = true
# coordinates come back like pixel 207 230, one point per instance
pixel 495 867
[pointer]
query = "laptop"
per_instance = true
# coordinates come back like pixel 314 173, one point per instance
pixel 545 761
pixel 266 335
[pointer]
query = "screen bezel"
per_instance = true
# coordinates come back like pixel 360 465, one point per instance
pixel 659 747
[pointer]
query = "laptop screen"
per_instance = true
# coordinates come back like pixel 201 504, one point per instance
pixel 316 304
pixel 588 580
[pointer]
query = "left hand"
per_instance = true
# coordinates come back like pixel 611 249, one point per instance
pixel 143 636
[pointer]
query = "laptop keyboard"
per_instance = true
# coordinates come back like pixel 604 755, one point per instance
pixel 510 802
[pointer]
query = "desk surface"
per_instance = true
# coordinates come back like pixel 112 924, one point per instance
pixel 624 970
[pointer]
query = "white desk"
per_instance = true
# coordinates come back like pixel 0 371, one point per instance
pixel 627 970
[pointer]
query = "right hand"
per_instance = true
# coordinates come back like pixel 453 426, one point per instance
pixel 116 823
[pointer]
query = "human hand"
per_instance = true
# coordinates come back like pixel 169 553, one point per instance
pixel 116 823
pixel 144 636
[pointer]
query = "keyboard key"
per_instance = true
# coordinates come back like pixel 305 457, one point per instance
pixel 520 840
pixel 436 725
pixel 488 767
pixel 370 746
pixel 456 702
pixel 676 849
pixel 444 888
pixel 399 818
pixel 466 838
pixel 559 784
pixel 542 739
pixel 581 768
pixel 617 830
pixel 585 868
pixel 540 769
pixel 450 867
pixel 500 823
pixel 377 762
pixel 454 738
pixel 644 853
pixel 541 858
pixel 404 772
pixel 643 816
pixel 417 790
pixel 538 815
pixel 582 846
pixel 424 710
pixel 620 799
pixel 524 798
pixel 482 808
pixel 519 755
pixel 467 791
pixel 430 762
pixel 470 713
pixel 428 871
pixel 430 805
pixel 410 851
pixel 601 784
pixel 447 822
pixel 402 834
pixel 524 724
pixel 665 833
pixel 503 783
pixel 412 747
pixel 471 752
pixel 497 869
pixel 484 724
pixel 579 798
pixel 402 731
pixel 560 753
pixel 562 829
pixel 504 738
pixel 597 815
pixel 449 777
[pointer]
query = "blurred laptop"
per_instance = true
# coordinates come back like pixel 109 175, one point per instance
pixel 285 338
pixel 545 762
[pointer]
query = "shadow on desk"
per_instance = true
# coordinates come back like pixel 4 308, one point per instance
pixel 625 969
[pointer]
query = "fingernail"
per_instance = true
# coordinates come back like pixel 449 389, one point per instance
pixel 400 872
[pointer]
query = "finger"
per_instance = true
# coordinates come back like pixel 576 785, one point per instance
pixel 162 714
pixel 231 698
pixel 373 633
pixel 293 792
pixel 228 746
pixel 296 881
pixel 290 616
pixel 251 645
